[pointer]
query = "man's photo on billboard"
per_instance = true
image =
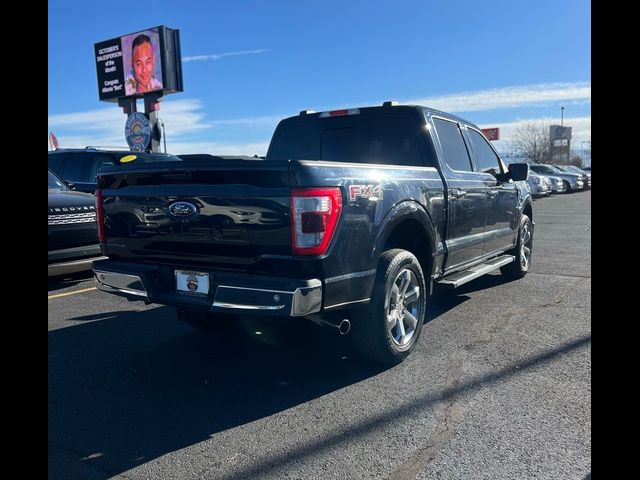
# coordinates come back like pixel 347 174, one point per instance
pixel 142 62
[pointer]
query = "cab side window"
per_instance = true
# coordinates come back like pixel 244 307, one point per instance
pixel 486 159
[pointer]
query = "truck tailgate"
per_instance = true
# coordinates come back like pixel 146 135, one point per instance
pixel 227 213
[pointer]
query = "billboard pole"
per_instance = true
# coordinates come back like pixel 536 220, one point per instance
pixel 128 105
pixel 151 107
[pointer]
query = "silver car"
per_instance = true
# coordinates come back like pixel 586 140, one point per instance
pixel 572 181
pixel 586 176
pixel 540 186
pixel 557 185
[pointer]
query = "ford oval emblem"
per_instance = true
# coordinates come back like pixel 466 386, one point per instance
pixel 182 209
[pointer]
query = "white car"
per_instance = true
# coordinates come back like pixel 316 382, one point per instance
pixel 540 185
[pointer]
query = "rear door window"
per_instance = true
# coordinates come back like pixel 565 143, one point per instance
pixel 454 149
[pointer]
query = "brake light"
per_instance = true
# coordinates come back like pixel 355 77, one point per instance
pixel 100 216
pixel 340 113
pixel 314 217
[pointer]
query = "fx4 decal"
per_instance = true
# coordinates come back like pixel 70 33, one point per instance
pixel 364 191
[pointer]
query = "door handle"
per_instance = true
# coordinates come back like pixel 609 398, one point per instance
pixel 458 193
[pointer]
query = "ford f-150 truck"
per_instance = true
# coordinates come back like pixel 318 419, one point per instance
pixel 349 220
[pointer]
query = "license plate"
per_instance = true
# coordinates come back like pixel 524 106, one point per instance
pixel 194 283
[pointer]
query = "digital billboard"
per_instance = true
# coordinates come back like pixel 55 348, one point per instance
pixel 138 63
pixel 556 132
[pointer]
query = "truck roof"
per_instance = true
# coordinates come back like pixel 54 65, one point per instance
pixel 385 108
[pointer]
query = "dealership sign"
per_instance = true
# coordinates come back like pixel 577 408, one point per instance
pixel 138 63
pixel 137 131
pixel 491 133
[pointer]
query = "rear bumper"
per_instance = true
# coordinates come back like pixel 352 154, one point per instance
pixel 72 260
pixel 228 293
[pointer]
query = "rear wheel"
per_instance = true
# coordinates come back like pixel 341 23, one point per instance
pixel 522 251
pixel 206 321
pixel 388 329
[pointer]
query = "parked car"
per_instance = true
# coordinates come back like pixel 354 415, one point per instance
pixel 73 232
pixel 572 181
pixel 81 165
pixel 557 185
pixel 539 185
pixel 586 176
pixel 353 215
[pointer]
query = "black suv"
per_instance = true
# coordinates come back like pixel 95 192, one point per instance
pixel 80 166
pixel 73 231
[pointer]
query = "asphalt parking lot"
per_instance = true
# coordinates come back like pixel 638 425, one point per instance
pixel 498 387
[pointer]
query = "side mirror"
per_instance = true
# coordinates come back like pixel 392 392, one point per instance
pixel 71 185
pixel 518 171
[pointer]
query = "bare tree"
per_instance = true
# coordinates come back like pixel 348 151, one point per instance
pixel 532 141
pixel 577 161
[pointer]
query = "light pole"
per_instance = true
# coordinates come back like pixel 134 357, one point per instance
pixel 561 131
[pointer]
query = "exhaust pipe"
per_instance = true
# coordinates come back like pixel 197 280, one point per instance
pixel 343 325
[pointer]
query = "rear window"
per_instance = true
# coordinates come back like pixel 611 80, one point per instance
pixel 390 139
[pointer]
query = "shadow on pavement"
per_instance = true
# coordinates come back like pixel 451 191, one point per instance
pixel 126 387
pixel 138 385
pixel 66 281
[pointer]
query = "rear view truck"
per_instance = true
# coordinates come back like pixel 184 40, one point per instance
pixel 348 221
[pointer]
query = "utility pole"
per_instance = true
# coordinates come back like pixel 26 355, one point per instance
pixel 561 131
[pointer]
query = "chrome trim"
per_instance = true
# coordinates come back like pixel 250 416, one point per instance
pixel 347 303
pixel 464 266
pixel 477 271
pixel 72 218
pixel 113 282
pixel 247 307
pixel 349 276
pixel 255 289
pixel 307 300
pixel 304 300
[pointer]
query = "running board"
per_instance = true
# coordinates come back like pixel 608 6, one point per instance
pixel 460 278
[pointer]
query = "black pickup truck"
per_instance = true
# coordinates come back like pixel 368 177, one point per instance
pixel 350 219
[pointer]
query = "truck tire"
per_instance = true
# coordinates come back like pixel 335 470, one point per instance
pixel 205 321
pixel 389 327
pixel 522 251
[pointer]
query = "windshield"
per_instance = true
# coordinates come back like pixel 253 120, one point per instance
pixel 545 169
pixel 55 183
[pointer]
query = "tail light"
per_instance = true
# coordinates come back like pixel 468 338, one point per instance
pixel 314 217
pixel 100 216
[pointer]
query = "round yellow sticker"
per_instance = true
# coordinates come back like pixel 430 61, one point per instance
pixel 128 158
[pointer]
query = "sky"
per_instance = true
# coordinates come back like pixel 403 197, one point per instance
pixel 249 64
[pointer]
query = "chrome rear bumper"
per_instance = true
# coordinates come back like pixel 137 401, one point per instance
pixel 303 300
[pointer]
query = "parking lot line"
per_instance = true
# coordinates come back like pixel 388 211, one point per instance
pixel 71 293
